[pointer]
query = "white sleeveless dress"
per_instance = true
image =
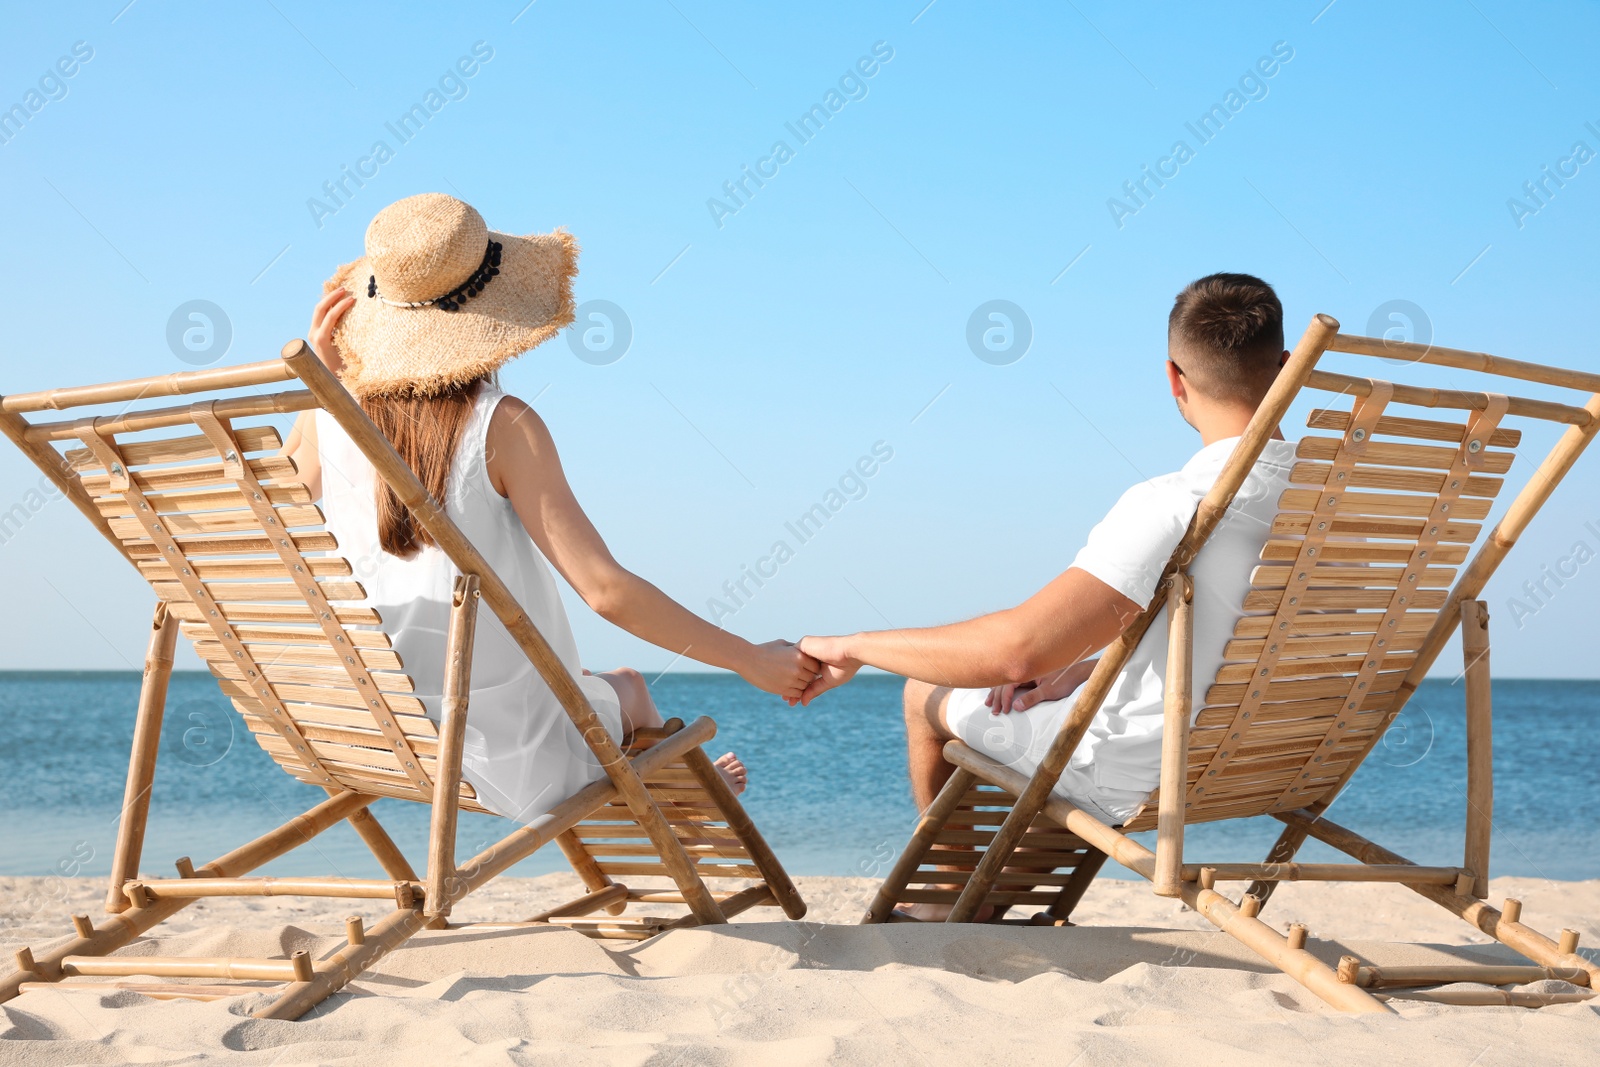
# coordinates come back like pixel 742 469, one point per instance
pixel 522 753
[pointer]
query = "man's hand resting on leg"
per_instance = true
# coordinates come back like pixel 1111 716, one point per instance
pixel 1004 699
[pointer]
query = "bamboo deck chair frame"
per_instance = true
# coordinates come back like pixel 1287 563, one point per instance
pixel 995 836
pixel 330 703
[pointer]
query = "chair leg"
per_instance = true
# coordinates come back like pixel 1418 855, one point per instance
pixel 739 821
pixel 1480 744
pixel 1283 851
pixel 388 854
pixel 1060 910
pixel 452 736
pixel 142 760
pixel 928 827
pixel 594 879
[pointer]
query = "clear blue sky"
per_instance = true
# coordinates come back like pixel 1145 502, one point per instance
pixel 773 351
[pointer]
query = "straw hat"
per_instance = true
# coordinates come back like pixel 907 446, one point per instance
pixel 441 299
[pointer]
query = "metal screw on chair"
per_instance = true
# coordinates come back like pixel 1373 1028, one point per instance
pixel 1358 434
pixel 1474 447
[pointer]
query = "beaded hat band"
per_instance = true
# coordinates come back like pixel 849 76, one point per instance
pixel 447 300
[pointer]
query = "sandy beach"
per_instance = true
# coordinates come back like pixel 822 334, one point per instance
pixel 1141 980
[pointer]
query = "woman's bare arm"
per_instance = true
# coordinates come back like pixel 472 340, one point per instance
pixel 525 467
pixel 301 450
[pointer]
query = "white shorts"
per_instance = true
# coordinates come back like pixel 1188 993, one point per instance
pixel 1019 739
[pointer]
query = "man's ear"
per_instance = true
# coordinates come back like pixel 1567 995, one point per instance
pixel 1283 359
pixel 1175 382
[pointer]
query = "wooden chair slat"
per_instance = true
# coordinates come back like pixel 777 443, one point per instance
pixel 286 635
pixel 214 522
pixel 1423 429
pixel 1410 505
pixel 424 746
pixel 162 479
pixel 316 714
pixel 1363 552
pixel 288 673
pixel 1393 528
pixel 177 449
pixel 1299 690
pixel 1476 485
pixel 1344 599
pixel 292 613
pixel 157 570
pixel 229 593
pixel 1292 709
pixel 1379 454
pixel 1333 622
pixel 203 500
pixel 305 541
pixel 1314 667
pixel 288 655
pixel 343 756
pixel 1370 576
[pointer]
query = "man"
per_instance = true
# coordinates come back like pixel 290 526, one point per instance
pixel 1001 682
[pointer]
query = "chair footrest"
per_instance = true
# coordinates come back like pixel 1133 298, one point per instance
pixel 1370 977
pixel 1476 998
pixel 158 990
pixel 297 968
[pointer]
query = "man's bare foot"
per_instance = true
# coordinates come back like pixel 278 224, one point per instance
pixel 733 772
pixel 938 913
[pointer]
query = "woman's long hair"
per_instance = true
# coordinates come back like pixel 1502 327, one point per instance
pixel 426 432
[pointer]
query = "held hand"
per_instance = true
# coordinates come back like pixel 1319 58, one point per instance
pixel 780 667
pixel 324 319
pixel 837 666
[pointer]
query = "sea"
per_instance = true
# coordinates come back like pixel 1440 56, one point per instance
pixel 828 783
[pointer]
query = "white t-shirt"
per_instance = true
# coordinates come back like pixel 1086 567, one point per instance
pixel 1118 762
pixel 1128 550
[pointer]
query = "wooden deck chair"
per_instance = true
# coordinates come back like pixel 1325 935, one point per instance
pixel 197 499
pixel 1364 578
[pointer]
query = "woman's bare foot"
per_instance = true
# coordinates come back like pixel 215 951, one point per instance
pixel 733 772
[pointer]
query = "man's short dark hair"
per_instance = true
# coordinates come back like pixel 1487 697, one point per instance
pixel 1226 334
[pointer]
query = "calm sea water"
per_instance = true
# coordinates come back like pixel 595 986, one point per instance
pixel 828 783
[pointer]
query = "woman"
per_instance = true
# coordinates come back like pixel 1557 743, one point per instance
pixel 417 330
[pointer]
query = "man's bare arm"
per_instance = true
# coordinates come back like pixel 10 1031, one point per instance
pixel 1072 617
